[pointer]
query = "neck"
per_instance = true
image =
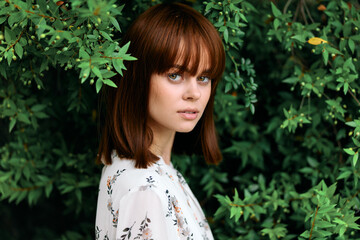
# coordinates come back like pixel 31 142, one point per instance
pixel 162 144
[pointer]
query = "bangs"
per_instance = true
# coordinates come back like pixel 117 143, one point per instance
pixel 188 42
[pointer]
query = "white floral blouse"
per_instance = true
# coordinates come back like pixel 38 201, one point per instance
pixel 154 203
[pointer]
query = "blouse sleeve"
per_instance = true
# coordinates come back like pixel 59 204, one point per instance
pixel 141 216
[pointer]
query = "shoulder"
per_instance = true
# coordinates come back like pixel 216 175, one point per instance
pixel 122 176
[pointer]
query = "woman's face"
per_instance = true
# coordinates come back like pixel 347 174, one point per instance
pixel 177 100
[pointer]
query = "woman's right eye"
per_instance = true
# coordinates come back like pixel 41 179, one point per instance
pixel 174 77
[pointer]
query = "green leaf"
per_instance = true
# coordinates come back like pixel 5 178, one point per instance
pixel 301 38
pixel 48 189
pixel 3 19
pixel 96 71
pixel 252 108
pixel 5 176
pixel 339 221
pixel 342 230
pixel 345 174
pixel 325 55
pixel 38 107
pixel 312 162
pixel 41 115
pixel 12 124
pixel 333 50
pixel 275 10
pixel 9 35
pixel 242 16
pixel 346 87
pixel 19 50
pixel 351 45
pixel 115 23
pixel 276 23
pixel 84 74
pixel 349 151
pixel 306 170
pixel 83 54
pixel 110 83
pixel 226 35
pixel 23 118
pixel 124 49
pixel 305 234
pixel 351 124
pixel 106 35
pixel 14 17
pixel 118 65
pixel 355 37
pixel 99 84
pixel 349 64
pixel 355 158
pixel 356 142
pixel 128 57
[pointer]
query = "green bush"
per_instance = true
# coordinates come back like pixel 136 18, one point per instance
pixel 287 114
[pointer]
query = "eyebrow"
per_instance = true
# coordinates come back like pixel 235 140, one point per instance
pixel 185 69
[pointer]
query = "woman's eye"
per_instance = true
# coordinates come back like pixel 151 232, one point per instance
pixel 174 77
pixel 204 79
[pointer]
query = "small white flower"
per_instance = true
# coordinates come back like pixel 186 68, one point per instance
pixel 160 171
pixel 180 221
pixel 146 234
pixel 109 205
pixel 186 232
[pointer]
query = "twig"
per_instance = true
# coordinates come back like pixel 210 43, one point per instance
pixel 286 6
pixel 17 40
pixel 296 12
pixel 112 57
pixel 303 12
pixel 246 205
pixel 309 104
pixel 354 97
pixel 308 12
pixel 313 223
pixel 326 96
pixel 302 103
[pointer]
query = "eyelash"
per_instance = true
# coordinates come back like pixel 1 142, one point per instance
pixel 206 81
pixel 172 74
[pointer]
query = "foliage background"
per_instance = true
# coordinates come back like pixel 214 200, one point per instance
pixel 287 113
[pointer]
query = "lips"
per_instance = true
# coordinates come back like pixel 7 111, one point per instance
pixel 190 111
pixel 189 114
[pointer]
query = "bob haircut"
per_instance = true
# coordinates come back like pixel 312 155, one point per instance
pixel 160 37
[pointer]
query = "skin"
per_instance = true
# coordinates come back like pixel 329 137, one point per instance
pixel 170 93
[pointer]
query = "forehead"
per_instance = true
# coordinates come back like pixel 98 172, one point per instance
pixel 194 58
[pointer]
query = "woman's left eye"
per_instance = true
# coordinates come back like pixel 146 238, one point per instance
pixel 204 79
pixel 174 76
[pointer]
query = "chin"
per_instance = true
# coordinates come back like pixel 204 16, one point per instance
pixel 185 129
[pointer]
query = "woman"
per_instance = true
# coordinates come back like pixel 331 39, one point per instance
pixel 162 96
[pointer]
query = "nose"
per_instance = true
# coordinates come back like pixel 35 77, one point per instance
pixel 192 91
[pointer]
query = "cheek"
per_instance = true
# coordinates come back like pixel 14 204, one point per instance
pixel 160 95
pixel 207 94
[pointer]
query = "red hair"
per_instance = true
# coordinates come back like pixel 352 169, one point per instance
pixel 155 39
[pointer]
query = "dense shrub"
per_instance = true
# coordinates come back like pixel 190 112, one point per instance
pixel 290 167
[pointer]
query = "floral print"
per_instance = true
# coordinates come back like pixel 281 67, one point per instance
pixel 127 232
pixel 151 204
pixel 146 234
pixel 109 183
pixel 144 231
